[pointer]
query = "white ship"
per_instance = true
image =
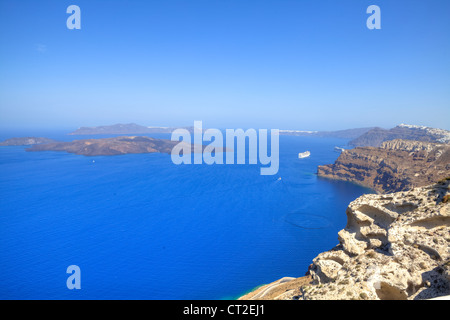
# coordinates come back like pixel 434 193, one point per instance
pixel 305 154
pixel 339 149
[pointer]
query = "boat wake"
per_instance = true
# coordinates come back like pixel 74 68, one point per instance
pixel 308 221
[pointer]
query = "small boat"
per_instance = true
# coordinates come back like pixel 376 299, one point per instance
pixel 305 154
pixel 339 149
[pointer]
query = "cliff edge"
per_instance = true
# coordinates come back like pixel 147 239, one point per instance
pixel 397 165
pixel 394 247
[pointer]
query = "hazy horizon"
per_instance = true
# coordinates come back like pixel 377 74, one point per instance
pixel 299 65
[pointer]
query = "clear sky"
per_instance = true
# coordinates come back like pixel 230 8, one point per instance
pixel 287 64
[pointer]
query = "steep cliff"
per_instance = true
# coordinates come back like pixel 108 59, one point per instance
pixel 394 247
pixel 395 166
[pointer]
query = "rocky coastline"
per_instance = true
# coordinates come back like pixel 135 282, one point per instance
pixel 396 165
pixel 396 243
pixel 395 247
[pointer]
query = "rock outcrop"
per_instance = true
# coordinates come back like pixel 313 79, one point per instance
pixel 397 165
pixel 394 247
pixel 282 289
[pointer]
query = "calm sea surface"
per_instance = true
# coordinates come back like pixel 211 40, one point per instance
pixel 140 227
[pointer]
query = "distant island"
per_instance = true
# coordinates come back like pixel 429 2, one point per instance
pixel 343 134
pixel 109 146
pixel 376 136
pixel 130 128
pixel 25 141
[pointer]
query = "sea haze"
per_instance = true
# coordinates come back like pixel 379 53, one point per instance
pixel 140 227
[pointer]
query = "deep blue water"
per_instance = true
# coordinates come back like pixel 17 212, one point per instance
pixel 140 227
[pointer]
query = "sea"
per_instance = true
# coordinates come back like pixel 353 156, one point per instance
pixel 140 227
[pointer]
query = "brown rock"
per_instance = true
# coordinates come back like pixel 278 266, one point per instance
pixel 109 146
pixel 397 165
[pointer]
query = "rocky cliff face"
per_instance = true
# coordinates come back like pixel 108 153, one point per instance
pixel 394 247
pixel 395 166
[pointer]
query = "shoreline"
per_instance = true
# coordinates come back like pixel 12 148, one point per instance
pixel 278 289
pixel 349 181
pixel 288 284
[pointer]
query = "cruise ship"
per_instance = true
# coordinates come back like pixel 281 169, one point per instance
pixel 305 154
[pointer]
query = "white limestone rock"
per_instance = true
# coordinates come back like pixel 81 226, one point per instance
pixel 395 246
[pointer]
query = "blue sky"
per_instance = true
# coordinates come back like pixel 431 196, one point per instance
pixel 303 64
